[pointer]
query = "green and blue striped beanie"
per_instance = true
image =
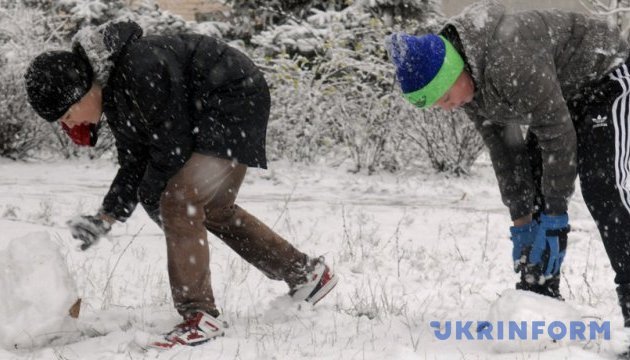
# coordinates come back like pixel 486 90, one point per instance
pixel 427 66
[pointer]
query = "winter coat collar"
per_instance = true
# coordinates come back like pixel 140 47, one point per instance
pixel 102 45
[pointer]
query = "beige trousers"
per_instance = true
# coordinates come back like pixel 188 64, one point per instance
pixel 200 197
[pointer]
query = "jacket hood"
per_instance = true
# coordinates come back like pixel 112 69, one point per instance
pixel 479 18
pixel 103 44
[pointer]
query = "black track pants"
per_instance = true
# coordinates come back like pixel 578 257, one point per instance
pixel 602 122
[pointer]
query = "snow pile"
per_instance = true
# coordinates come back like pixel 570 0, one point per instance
pixel 37 292
pixel 394 239
pixel 523 306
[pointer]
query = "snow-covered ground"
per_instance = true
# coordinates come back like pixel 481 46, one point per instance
pixel 410 249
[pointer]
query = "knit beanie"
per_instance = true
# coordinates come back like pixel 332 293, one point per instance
pixel 55 80
pixel 427 66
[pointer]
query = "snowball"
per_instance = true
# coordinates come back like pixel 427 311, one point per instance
pixel 517 306
pixel 37 293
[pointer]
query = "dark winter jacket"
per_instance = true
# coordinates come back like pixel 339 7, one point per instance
pixel 154 90
pixel 526 66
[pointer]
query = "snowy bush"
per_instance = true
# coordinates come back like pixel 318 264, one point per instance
pixel 72 15
pixel 449 140
pixel 292 39
pixel 313 36
pixel 331 111
pixel 251 17
pixel 328 112
pixel 298 129
pixel 28 27
pixel 335 95
pixel 156 22
pixel 80 13
pixel 369 130
pixel 76 14
pixel 213 28
pixel 27 32
pixel 364 109
pixel 24 33
pixel 331 88
pixel 335 106
pixel 425 12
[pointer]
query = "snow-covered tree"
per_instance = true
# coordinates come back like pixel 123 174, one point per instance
pixel 309 35
pixel 250 17
pixel 68 16
pixel 28 27
pixel 397 11
pixel 157 22
pixel 449 141
pixel 24 32
pixel 334 65
pixel 314 35
pixel 81 13
pixel 333 87
pixel 336 97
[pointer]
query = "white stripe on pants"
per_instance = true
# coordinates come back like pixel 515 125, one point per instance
pixel 620 112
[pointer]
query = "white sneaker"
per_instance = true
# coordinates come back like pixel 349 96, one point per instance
pixel 199 328
pixel 320 281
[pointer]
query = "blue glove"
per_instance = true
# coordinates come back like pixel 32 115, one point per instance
pixel 522 238
pixel 548 240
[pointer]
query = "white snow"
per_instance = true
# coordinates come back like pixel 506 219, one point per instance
pixel 38 292
pixel 410 248
pixel 517 306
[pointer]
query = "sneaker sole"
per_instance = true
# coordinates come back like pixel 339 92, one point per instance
pixel 324 290
pixel 173 344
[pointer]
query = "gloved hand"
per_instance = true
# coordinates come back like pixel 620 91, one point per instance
pixel 89 229
pixel 548 251
pixel 522 238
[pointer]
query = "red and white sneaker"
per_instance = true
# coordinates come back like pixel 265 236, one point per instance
pixel 199 328
pixel 320 281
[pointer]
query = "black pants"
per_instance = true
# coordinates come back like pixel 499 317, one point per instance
pixel 601 118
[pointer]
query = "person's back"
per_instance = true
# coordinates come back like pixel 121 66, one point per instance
pixel 526 66
pixel 515 57
pixel 172 93
pixel 582 48
pixel 208 62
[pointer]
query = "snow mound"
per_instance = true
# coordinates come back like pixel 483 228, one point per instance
pixel 524 306
pixel 37 293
